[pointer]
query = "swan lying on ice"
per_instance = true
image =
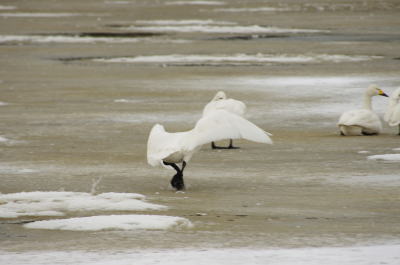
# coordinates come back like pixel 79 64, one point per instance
pixel 168 149
pixel 392 115
pixel 362 121
pixel 220 101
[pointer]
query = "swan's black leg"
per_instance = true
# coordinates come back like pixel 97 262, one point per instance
pixel 231 145
pixel 183 166
pixel 177 179
pixel 399 130
pixel 213 146
pixel 368 134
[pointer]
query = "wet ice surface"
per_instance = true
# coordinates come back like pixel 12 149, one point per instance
pixel 372 180
pixel 74 129
pixel 213 3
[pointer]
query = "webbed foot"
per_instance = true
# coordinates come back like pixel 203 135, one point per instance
pixel 177 181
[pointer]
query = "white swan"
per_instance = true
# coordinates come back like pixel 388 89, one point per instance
pixel 220 101
pixel 392 115
pixel 362 121
pixel 168 149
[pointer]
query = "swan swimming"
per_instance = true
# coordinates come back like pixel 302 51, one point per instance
pixel 220 101
pixel 168 149
pixel 362 121
pixel 392 115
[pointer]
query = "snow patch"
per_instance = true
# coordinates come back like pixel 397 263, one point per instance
pixel 239 58
pixel 113 222
pixel 256 9
pixel 62 39
pixel 385 157
pixel 3 139
pixel 9 169
pixel 356 255
pixel 221 29
pixel 80 39
pixel 40 203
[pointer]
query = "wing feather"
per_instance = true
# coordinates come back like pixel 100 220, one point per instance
pixel 160 145
pixel 221 124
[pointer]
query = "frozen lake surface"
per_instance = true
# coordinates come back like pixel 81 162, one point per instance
pixel 83 82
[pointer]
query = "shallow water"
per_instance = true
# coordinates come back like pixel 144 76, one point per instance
pixel 69 118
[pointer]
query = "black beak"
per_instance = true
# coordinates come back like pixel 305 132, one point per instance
pixel 383 94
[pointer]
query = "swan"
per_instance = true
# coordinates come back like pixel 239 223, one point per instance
pixel 168 149
pixel 220 101
pixel 392 115
pixel 362 121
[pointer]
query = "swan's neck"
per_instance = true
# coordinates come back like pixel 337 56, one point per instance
pixel 367 104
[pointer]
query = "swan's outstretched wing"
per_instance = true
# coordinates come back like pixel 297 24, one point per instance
pixel 362 117
pixel 231 105
pixel 221 124
pixel 161 144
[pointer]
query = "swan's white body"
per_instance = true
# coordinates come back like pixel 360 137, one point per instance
pixel 220 101
pixel 179 147
pixel 392 115
pixel 362 121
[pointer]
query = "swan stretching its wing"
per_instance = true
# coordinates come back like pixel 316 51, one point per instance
pixel 362 121
pixel 168 149
pixel 392 115
pixel 220 101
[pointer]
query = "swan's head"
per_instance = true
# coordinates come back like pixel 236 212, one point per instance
pixel 374 90
pixel 219 96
